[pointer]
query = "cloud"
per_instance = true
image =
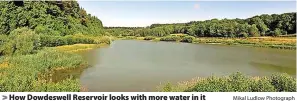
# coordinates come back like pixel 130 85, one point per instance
pixel 196 6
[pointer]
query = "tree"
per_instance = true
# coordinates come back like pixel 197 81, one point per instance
pixel 276 32
pixel 21 41
pixel 254 32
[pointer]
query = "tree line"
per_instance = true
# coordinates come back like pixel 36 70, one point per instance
pixel 55 23
pixel 27 25
pixel 260 25
pixel 48 17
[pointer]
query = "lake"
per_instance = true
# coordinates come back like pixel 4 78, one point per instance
pixel 130 65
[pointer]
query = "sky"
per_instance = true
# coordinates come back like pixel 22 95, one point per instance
pixel 145 13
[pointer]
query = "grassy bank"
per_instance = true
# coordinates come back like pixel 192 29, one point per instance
pixel 267 42
pixel 236 82
pixel 50 69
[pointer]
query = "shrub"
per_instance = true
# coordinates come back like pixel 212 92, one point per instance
pixel 51 41
pixel 212 84
pixel 21 41
pixel 188 39
pixel 283 82
pixel 276 32
pixel 149 38
pixel 244 34
pixel 40 29
pixel 262 85
pixel 167 87
pixel 104 39
pixel 237 82
pixel 170 38
pixel 3 40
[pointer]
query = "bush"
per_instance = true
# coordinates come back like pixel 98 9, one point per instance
pixel 167 87
pixel 149 38
pixel 283 82
pixel 237 82
pixel 52 41
pixel 104 39
pixel 212 84
pixel 21 41
pixel 170 38
pixel 40 29
pixel 3 40
pixel 188 39
pixel 244 34
pixel 276 32
pixel 262 85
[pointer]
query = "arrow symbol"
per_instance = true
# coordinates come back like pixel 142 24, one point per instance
pixel 4 97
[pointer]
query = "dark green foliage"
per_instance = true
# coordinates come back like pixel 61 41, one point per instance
pixel 27 25
pixel 260 25
pixel 48 17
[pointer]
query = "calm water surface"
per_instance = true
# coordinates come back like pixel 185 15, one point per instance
pixel 128 65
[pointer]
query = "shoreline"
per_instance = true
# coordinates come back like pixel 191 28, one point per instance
pixel 267 42
pixel 51 69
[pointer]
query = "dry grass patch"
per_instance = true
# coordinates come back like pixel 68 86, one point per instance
pixel 78 47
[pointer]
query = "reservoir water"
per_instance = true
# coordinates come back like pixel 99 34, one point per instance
pixel 130 65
